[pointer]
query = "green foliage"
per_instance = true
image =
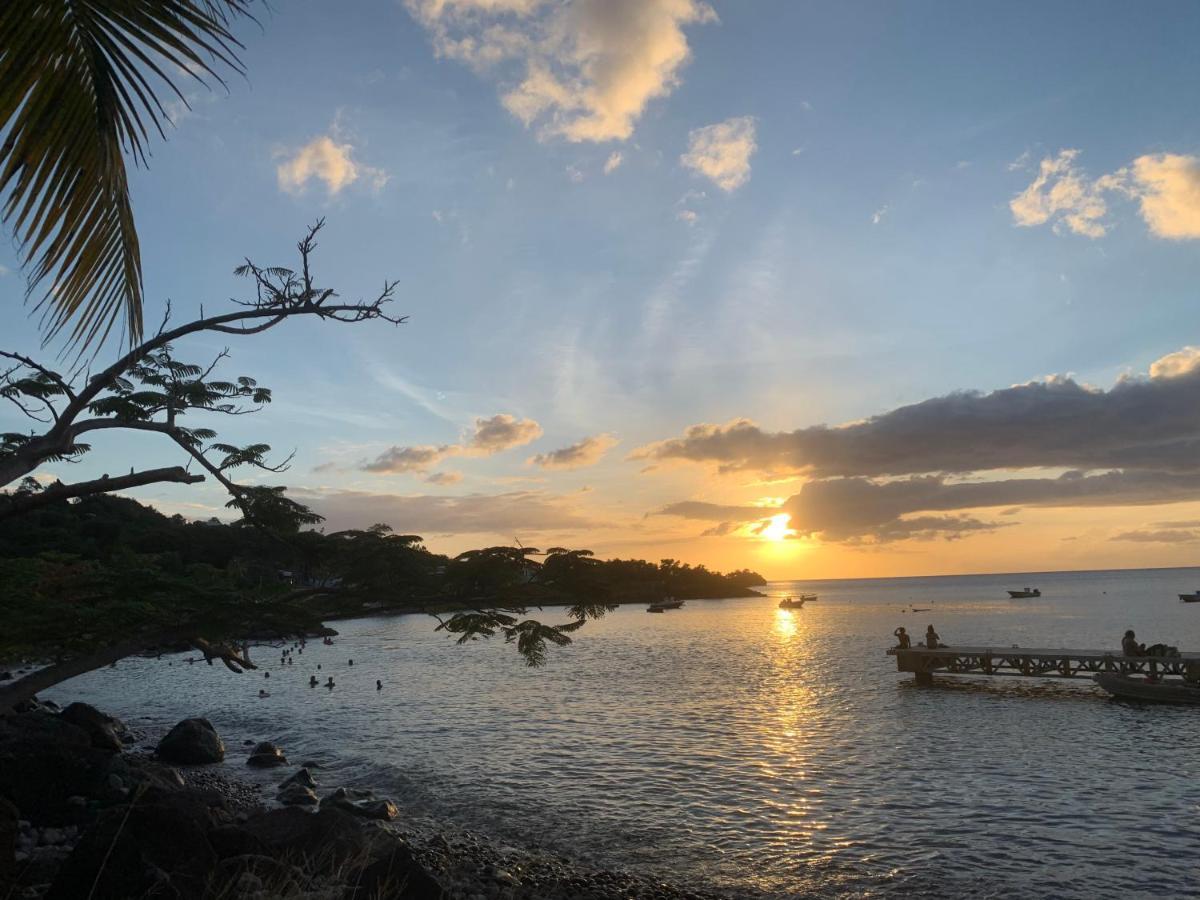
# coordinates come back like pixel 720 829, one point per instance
pixel 77 576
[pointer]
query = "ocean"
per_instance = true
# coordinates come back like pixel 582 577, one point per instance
pixel 755 750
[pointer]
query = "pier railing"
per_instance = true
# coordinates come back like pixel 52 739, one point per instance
pixel 1039 662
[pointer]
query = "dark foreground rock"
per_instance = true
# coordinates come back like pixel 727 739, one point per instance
pixel 116 825
pixel 266 756
pixel 192 742
pixel 103 730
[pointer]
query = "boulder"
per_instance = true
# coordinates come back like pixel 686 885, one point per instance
pixel 45 761
pixel 156 847
pixel 234 840
pixel 303 778
pixel 394 874
pixel 192 742
pixel 265 756
pixel 103 729
pixel 297 795
pixel 329 837
pixel 363 804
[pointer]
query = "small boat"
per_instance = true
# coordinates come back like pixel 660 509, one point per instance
pixel 806 597
pixel 1028 592
pixel 921 609
pixel 792 602
pixel 1138 688
pixel 1190 598
pixel 664 604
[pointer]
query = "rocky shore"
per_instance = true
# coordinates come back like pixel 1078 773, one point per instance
pixel 84 815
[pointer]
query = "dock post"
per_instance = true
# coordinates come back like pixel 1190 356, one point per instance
pixel 924 677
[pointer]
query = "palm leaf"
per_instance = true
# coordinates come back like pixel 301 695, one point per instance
pixel 80 86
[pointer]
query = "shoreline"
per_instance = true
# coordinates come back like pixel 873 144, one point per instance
pixel 239 813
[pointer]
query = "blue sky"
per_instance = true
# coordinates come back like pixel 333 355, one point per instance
pixel 845 243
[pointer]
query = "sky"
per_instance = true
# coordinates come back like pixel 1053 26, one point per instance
pixel 835 289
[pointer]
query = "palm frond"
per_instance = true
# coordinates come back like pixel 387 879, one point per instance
pixel 81 85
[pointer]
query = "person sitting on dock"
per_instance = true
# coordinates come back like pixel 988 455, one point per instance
pixel 1130 646
pixel 932 641
pixel 902 641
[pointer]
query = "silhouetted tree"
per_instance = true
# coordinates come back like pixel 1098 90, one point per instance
pixel 149 390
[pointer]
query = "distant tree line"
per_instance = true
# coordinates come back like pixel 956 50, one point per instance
pixel 87 581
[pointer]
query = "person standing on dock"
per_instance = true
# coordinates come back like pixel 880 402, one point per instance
pixel 932 641
pixel 902 640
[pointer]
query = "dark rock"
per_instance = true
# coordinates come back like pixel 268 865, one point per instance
pixel 281 878
pixel 101 727
pixel 395 875
pixel 303 778
pixel 10 828
pixel 233 840
pixel 44 761
pixel 5 676
pixel 362 804
pixel 297 795
pixel 265 756
pixel 329 837
pixel 192 742
pixel 157 847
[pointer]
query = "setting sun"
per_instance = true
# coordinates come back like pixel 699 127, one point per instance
pixel 777 529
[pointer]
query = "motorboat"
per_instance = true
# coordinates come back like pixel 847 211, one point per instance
pixel 1027 592
pixel 664 604
pixel 1190 598
pixel 808 598
pixel 792 602
pixel 1166 690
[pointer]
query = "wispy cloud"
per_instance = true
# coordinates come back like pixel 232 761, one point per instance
pixel 722 152
pixel 489 436
pixel 586 452
pixel 583 71
pixel 613 162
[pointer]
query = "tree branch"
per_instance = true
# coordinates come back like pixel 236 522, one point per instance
pixel 18 505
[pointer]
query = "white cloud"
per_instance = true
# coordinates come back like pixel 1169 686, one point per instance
pixel 1062 192
pixel 574 174
pixel 323 159
pixel 614 160
pixel 1173 365
pixel 722 152
pixel 1168 189
pixel 687 215
pixel 877 216
pixel 583 71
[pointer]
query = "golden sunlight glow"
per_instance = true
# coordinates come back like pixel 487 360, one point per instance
pixel 777 529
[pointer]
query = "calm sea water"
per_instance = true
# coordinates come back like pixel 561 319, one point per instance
pixel 739 746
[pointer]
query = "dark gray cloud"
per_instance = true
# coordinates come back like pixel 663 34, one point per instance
pixel 514 512
pixel 1148 423
pixel 584 453
pixel 863 509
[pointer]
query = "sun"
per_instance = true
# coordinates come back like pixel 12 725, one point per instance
pixel 777 528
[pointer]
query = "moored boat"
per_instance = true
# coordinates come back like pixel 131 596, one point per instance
pixel 664 604
pixel 1027 592
pixel 792 602
pixel 1190 598
pixel 1173 690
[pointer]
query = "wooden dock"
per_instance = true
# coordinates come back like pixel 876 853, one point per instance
pixel 1039 663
